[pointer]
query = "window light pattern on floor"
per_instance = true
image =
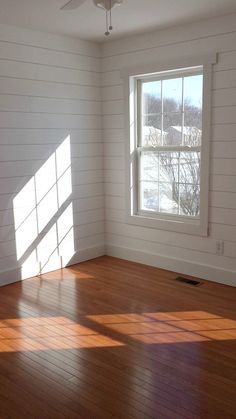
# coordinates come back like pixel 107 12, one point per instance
pixel 43 333
pixel 170 327
pixel 113 330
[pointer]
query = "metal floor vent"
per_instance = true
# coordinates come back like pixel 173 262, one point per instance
pixel 188 281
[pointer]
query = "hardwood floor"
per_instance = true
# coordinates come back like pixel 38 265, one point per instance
pixel 114 339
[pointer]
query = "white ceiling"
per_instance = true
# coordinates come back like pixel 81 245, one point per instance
pixel 134 16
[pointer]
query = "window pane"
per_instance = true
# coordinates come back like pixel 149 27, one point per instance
pixel 149 196
pixel 192 129
pixel 151 113
pixel 172 125
pixel 192 110
pixel 169 167
pixel 149 166
pixel 151 97
pixel 172 95
pixel 151 130
pixel 189 200
pixel 169 197
pixel 193 91
pixel 190 167
pixel 152 120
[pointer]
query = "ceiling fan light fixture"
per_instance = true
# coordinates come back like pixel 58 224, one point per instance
pixel 107 4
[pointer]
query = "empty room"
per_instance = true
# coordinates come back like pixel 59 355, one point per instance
pixel 117 209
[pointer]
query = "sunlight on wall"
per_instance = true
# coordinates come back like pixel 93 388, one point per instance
pixel 43 215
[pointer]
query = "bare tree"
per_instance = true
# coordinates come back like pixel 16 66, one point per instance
pixel 180 170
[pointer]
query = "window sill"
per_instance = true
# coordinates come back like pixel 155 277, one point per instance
pixel 192 227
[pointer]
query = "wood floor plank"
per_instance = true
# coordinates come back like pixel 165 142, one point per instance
pixel 114 339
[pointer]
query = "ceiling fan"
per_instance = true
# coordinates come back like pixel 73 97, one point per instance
pixel 107 5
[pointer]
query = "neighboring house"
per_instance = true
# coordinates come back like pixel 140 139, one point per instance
pixel 152 136
pixel 172 136
pixel 191 135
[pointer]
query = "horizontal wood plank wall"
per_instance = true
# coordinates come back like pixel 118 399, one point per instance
pixel 50 88
pixel 191 254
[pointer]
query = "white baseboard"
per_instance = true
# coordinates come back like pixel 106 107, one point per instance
pixel 207 272
pixel 10 276
pixel 87 254
pixel 14 275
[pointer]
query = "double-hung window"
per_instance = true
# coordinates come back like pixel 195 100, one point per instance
pixel 168 165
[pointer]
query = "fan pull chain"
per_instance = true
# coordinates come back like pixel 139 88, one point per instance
pixel 107 26
pixel 110 26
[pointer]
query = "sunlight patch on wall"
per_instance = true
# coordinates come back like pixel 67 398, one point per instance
pixel 43 215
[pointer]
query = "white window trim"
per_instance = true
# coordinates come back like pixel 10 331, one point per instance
pixel 167 222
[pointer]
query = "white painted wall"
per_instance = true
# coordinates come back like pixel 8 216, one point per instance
pixel 49 88
pixel 179 252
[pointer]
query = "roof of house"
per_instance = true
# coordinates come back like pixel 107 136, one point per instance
pixel 151 130
pixel 187 130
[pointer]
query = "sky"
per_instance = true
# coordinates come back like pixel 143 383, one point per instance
pixel 172 88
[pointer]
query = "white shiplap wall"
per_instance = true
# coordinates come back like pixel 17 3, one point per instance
pixel 50 88
pixel 184 253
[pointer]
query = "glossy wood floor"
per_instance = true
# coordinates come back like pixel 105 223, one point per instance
pixel 114 339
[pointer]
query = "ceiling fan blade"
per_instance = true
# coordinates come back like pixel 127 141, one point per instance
pixel 72 4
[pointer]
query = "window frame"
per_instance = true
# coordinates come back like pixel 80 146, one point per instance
pixel 166 221
pixel 161 76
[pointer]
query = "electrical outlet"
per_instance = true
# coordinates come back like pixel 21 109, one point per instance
pixel 220 247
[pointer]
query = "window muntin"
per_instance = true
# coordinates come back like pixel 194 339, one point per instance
pixel 169 143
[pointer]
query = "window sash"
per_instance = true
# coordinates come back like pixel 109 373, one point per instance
pixel 172 74
pixel 177 149
pixel 140 148
pixel 160 149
